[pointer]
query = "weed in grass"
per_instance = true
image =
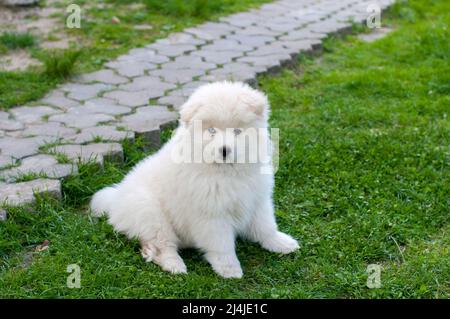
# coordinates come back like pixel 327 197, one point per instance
pixel 60 64
pixel 14 40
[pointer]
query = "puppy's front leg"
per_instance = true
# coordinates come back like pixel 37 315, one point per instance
pixel 263 229
pixel 217 239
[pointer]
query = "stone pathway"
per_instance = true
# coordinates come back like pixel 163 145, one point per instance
pixel 139 93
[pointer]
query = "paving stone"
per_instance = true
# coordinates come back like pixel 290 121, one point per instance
pixel 270 49
pixel 271 62
pixel 188 62
pixel 172 50
pixel 6 160
pixel 302 34
pixel 179 76
pixel 218 57
pixel 103 76
pixel 132 99
pixel 153 86
pixel 57 98
pixel 33 114
pixel 81 92
pixel 235 72
pixel 240 20
pixel 131 69
pixel 146 55
pixel 300 45
pixel 3 215
pixel 212 30
pixel 79 119
pixel 258 30
pixel 181 38
pixel 227 45
pixel 98 152
pixel 104 132
pixel 24 192
pixel 48 129
pixel 4 115
pixel 102 106
pixel 328 26
pixel 22 147
pixel 251 40
pixel 10 125
pixel 173 101
pixel 39 164
pixel 147 121
pixel 148 116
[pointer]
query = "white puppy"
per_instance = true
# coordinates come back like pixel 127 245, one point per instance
pixel 168 203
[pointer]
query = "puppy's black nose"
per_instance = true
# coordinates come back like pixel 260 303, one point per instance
pixel 225 151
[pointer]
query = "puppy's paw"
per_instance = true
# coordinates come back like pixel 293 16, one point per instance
pixel 228 270
pixel 280 243
pixel 173 265
pixel 148 253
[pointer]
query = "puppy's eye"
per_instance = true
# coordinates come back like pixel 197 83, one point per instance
pixel 237 131
pixel 212 130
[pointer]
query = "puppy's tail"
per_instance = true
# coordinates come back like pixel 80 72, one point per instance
pixel 102 201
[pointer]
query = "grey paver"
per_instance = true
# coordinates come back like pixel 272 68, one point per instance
pixel 33 114
pixel 57 98
pixel 74 118
pixel 48 129
pixel 143 55
pixel 173 101
pixel 131 68
pixel 218 57
pixel 103 76
pixel 10 125
pixel 22 147
pixel 132 99
pixel 153 86
pixel 6 160
pixel 102 106
pixel 24 192
pixel 104 132
pixel 148 117
pixel 40 165
pixel 97 152
pixel 3 215
pixel 178 76
pixel 81 92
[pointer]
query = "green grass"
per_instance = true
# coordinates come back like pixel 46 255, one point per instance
pixel 100 40
pixel 60 64
pixel 363 179
pixel 14 40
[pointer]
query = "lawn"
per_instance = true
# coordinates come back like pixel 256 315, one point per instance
pixel 108 28
pixel 363 179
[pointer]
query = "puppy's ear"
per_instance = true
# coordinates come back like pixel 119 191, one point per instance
pixel 256 101
pixel 188 111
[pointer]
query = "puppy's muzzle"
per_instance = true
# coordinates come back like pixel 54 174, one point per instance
pixel 226 151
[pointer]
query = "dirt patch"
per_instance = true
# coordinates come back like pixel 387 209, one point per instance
pixel 17 60
pixel 375 34
pixel 45 23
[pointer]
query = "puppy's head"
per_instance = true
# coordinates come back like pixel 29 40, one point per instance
pixel 228 115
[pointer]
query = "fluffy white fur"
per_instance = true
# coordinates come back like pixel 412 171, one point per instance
pixel 170 205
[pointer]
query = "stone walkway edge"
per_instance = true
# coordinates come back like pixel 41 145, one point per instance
pixel 139 93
